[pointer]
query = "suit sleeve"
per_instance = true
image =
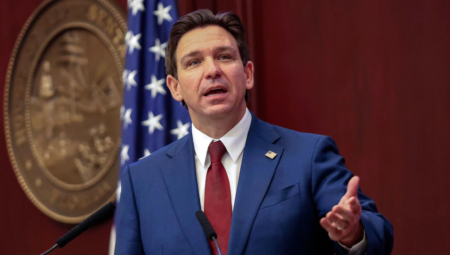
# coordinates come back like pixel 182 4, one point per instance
pixel 128 241
pixel 330 178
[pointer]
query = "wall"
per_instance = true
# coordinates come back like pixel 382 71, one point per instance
pixel 23 228
pixel 374 75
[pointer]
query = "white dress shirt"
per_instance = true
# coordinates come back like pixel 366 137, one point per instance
pixel 234 141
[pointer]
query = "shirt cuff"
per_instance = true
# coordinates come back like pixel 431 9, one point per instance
pixel 357 249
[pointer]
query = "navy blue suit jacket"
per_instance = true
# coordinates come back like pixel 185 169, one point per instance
pixel 278 204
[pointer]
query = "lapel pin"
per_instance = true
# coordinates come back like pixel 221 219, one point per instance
pixel 271 154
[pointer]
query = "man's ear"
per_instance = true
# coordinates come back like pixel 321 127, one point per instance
pixel 174 87
pixel 249 72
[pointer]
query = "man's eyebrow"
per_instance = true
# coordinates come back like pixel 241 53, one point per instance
pixel 190 54
pixel 218 49
pixel 225 48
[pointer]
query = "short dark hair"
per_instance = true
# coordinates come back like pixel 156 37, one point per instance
pixel 227 20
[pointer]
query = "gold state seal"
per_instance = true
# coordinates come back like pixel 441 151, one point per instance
pixel 62 106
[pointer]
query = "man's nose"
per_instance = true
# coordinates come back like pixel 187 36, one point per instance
pixel 213 70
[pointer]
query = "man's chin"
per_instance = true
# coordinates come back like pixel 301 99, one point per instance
pixel 222 110
pixel 218 111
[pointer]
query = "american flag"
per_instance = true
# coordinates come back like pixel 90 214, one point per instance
pixel 151 118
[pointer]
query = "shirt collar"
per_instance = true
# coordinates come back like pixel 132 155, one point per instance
pixel 234 140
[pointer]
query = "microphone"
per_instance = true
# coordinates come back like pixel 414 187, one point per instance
pixel 207 228
pixel 103 213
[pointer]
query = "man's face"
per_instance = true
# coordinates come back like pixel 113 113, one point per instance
pixel 211 77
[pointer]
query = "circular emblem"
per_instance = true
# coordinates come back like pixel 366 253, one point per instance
pixel 62 106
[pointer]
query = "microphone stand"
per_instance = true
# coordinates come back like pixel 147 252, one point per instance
pixel 100 215
pixel 207 228
pixel 217 245
pixel 51 249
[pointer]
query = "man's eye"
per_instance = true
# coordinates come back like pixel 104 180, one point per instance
pixel 193 62
pixel 224 57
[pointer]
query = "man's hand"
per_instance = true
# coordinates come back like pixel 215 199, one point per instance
pixel 343 222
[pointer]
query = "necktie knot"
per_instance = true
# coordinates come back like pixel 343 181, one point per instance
pixel 216 151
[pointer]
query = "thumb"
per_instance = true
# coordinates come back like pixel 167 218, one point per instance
pixel 352 187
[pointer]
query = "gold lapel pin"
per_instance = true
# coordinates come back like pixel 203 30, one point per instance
pixel 271 154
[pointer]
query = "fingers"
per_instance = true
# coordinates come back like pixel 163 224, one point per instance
pixel 328 226
pixel 337 220
pixel 350 206
pixel 333 232
pixel 354 205
pixel 352 187
pixel 341 220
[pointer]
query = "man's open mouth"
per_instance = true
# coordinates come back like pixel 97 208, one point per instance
pixel 215 91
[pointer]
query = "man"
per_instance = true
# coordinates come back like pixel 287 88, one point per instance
pixel 265 189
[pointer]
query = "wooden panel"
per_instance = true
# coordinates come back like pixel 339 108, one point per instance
pixel 374 75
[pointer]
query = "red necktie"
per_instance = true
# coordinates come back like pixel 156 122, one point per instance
pixel 218 197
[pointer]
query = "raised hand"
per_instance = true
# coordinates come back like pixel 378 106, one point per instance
pixel 343 222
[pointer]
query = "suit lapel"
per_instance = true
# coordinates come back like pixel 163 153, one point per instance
pixel 256 174
pixel 181 183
